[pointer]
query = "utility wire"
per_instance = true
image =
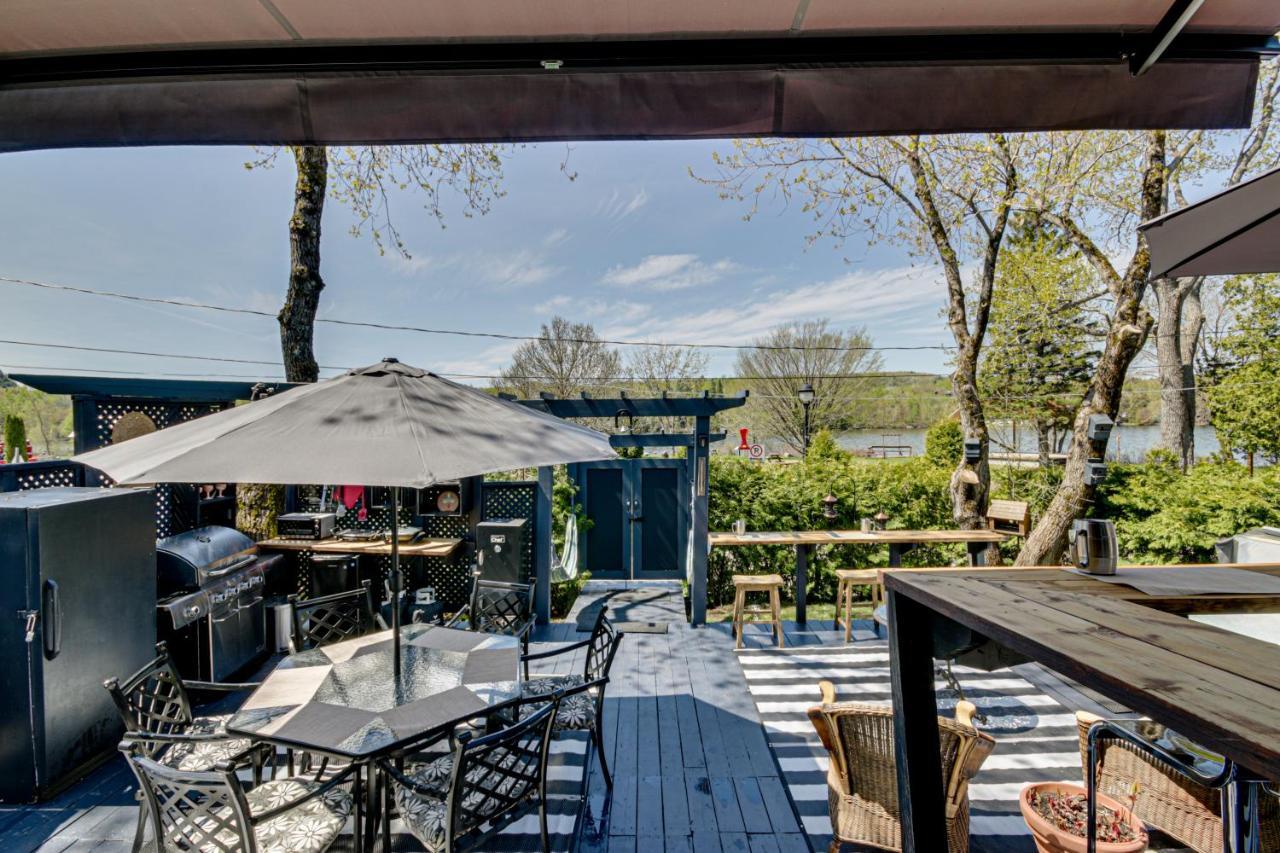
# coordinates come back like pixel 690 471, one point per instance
pixel 180 303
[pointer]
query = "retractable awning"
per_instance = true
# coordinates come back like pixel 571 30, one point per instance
pixel 141 72
pixel 1236 231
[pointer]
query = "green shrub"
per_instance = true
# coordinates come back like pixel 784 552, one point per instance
pixel 565 593
pixel 823 446
pixel 15 437
pixel 944 443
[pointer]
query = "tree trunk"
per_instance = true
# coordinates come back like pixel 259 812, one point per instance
pixel 298 316
pixel 1130 324
pixel 1043 445
pixel 971 481
pixel 1175 423
pixel 258 504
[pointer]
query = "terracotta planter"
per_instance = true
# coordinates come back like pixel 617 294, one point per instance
pixel 1050 839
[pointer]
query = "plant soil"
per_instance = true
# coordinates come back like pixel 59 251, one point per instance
pixel 1069 812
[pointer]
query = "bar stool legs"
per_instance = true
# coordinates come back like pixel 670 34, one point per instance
pixel 743 584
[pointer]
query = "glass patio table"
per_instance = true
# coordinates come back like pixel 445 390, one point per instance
pixel 343 699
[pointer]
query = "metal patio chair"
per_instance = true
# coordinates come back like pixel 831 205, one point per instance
pixel 211 811
pixel 862 782
pixel 462 799
pixel 333 618
pixel 582 696
pixel 498 607
pixel 158 718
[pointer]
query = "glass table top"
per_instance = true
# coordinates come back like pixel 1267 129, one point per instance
pixel 345 699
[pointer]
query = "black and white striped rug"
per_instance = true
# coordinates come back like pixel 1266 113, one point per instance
pixel 1035 736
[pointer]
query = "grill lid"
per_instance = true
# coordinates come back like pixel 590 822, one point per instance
pixel 189 560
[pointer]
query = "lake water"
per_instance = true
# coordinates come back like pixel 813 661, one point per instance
pixel 1128 443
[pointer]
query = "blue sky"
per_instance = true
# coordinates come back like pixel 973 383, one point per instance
pixel 634 245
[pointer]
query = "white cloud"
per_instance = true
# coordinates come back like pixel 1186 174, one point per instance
pixel 884 301
pixel 616 205
pixel 579 308
pixel 500 269
pixel 669 272
pixel 556 237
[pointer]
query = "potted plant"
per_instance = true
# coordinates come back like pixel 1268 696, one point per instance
pixel 1056 814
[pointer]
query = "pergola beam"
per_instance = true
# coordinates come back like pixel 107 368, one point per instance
pixel 636 407
pixel 1170 27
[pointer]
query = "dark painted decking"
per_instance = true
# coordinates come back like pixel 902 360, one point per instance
pixel 692 768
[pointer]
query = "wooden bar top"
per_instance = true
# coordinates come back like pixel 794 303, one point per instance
pixel 421 548
pixel 1215 687
pixel 854 537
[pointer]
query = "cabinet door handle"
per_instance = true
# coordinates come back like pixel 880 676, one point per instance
pixel 51 604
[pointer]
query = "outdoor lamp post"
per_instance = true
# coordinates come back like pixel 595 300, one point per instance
pixel 806 395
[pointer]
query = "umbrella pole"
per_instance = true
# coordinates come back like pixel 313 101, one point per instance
pixel 395 579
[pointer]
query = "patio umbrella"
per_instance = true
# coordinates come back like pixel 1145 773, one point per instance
pixel 1235 231
pixel 388 424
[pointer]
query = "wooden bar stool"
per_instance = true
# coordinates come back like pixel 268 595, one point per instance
pixel 847 579
pixel 743 584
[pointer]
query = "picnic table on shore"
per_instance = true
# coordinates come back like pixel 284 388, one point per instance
pixel 899 542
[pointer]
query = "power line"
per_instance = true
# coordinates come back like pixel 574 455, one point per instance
pixel 180 303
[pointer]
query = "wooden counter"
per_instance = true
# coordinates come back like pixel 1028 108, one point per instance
pixel 421 548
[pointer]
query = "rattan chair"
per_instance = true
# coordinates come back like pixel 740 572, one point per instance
pixel 498 607
pixel 333 618
pixel 158 718
pixel 582 696
pixel 862 784
pixel 1167 800
pixel 210 810
pixel 462 799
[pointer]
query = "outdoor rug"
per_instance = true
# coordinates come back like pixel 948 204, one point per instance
pixel 1035 736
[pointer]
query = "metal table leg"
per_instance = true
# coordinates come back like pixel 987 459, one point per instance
pixel 802 581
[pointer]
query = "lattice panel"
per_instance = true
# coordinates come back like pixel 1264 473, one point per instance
pixel 48 478
pixel 504 501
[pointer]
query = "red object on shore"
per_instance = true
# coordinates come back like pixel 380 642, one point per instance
pixel 745 445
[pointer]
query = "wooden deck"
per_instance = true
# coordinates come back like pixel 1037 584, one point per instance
pixel 692 768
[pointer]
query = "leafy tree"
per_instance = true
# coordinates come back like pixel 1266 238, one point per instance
pixel 948 198
pixel 944 443
pixel 566 359
pixel 1086 185
pixel 15 438
pixel 780 363
pixel 1040 349
pixel 1244 396
pixel 365 179
pixel 823 447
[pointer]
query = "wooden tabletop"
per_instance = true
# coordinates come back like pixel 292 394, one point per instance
pixel 854 537
pixel 1215 687
pixel 421 548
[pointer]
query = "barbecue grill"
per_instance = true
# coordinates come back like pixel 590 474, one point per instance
pixel 211 610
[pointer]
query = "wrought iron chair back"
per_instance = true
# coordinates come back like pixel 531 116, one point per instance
pixel 333 618
pixel 497 773
pixel 194 810
pixel 153 701
pixel 601 648
pixel 498 607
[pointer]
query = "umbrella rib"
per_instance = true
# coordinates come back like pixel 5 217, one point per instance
pixel 413 428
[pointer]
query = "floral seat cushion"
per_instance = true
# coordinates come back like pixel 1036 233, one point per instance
pixel 309 827
pixel 204 754
pixel 426 816
pixel 577 712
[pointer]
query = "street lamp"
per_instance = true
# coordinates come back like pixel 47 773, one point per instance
pixel 806 395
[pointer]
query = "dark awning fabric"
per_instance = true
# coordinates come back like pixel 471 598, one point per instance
pixel 146 72
pixel 1236 231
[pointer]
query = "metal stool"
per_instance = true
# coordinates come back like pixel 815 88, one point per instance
pixel 846 580
pixel 743 584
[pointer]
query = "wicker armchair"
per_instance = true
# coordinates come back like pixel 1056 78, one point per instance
pixel 1167 800
pixel 862 784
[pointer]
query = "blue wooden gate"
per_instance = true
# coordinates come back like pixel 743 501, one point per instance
pixel 639 512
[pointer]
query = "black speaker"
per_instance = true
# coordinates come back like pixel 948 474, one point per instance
pixel 500 549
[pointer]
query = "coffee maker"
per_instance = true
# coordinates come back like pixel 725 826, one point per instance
pixel 1092 546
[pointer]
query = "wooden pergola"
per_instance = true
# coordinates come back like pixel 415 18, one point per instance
pixel 701 409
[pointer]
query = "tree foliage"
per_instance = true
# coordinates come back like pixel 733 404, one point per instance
pixel 655 370
pixel 1244 392
pixel 566 359
pixel 811 352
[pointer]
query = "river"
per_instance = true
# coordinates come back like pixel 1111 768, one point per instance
pixel 1128 443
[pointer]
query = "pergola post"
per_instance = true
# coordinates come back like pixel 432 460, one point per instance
pixel 699 477
pixel 542 545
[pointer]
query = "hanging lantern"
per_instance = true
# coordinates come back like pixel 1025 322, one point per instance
pixel 882 520
pixel 829 507
pixel 744 446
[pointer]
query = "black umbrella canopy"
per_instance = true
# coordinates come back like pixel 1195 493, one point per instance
pixel 389 424
pixel 1236 231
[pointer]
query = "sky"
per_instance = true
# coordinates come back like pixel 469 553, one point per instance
pixel 633 245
